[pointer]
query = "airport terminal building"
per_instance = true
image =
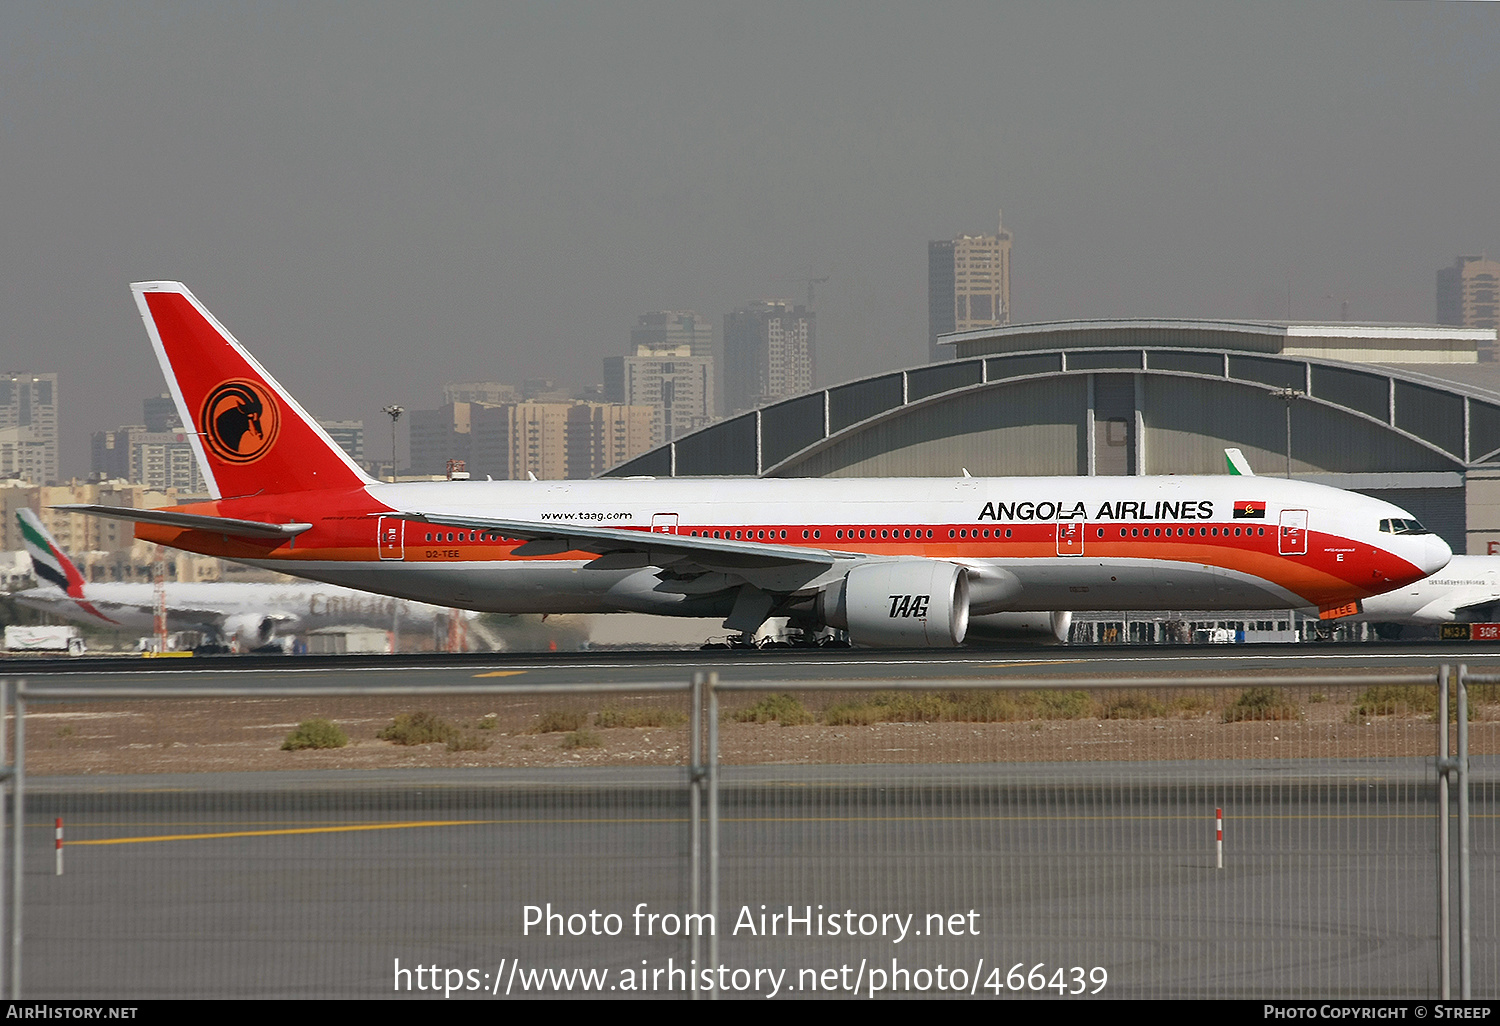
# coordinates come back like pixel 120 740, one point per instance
pixel 1406 413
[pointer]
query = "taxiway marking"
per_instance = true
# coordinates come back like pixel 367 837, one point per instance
pixel 422 824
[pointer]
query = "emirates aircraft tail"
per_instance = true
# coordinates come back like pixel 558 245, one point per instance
pixel 249 434
pixel 51 564
pixel 48 561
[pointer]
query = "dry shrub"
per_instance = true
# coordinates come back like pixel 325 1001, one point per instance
pixel 1411 699
pixel 315 733
pixel 418 728
pixel 639 716
pixel 851 714
pixel 1062 705
pixel 1262 704
pixel 559 721
pixel 1133 705
pixel 781 708
pixel 582 738
pixel 467 743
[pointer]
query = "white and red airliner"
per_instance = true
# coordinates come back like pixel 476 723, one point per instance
pixel 894 563
pixel 242 615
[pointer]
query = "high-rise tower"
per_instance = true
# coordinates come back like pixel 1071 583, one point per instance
pixel 670 367
pixel 28 428
pixel 768 353
pixel 968 286
pixel 1466 292
pixel 670 329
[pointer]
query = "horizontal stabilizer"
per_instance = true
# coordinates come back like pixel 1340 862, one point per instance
pixel 192 521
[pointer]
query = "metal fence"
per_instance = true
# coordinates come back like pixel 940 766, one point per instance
pixel 1037 837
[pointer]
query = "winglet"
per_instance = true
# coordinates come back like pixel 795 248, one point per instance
pixel 1238 465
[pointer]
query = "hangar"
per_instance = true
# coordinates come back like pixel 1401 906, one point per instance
pixel 1407 413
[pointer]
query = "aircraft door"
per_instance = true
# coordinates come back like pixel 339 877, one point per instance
pixel 1293 536
pixel 391 537
pixel 1070 537
pixel 664 523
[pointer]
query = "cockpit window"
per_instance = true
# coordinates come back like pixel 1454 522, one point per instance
pixel 1397 525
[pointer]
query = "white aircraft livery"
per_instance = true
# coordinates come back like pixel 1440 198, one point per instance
pixel 245 616
pixel 895 563
pixel 1467 590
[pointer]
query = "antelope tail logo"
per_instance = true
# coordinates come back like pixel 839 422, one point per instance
pixel 240 421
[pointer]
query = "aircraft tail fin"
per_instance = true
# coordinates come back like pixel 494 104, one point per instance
pixel 249 434
pixel 1238 465
pixel 48 561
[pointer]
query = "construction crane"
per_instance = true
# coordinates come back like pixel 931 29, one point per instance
pixel 458 637
pixel 811 280
pixel 159 580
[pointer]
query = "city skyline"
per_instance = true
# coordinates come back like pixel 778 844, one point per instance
pixel 380 200
pixel 1465 296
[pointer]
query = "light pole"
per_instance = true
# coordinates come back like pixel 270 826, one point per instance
pixel 1287 395
pixel 394 412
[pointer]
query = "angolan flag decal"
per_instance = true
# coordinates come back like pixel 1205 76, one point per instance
pixel 1248 509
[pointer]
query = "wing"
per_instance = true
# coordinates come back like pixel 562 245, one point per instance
pixel 696 564
pixel 1484 605
pixel 700 565
pixel 543 539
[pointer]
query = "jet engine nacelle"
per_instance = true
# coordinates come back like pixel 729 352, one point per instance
pixel 905 603
pixel 1040 628
pixel 251 630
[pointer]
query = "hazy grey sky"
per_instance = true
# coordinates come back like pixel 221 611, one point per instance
pixel 380 197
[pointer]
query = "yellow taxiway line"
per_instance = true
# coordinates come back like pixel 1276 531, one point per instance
pixel 418 824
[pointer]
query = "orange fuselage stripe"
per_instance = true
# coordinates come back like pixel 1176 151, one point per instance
pixel 1319 575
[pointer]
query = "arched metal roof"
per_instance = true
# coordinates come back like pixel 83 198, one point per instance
pixel 1250 336
pixel 1457 425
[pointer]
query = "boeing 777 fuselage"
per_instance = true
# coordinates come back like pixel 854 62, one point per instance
pixel 893 562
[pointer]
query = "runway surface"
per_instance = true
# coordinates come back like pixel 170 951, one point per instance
pixel 310 885
pixel 315 884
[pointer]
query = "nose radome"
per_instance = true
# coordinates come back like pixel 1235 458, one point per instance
pixel 1435 554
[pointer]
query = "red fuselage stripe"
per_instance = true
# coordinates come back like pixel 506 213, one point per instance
pixel 1328 569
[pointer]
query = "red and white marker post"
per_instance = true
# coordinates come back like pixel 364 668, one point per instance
pixel 58 835
pixel 1218 835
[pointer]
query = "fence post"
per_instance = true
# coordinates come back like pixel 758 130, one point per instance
pixel 1445 925
pixel 18 837
pixel 695 818
pixel 5 778
pixel 1464 979
pixel 713 828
